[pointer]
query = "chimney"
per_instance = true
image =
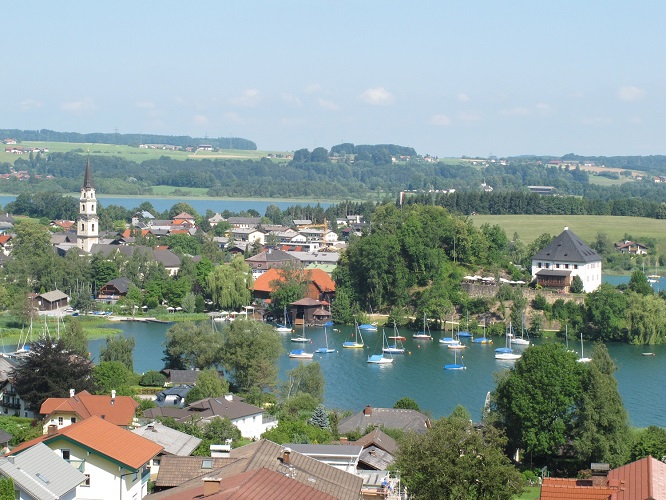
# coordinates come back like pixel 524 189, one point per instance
pixel 71 393
pixel 212 485
pixel 344 440
pixel 286 456
pixel 229 397
pixel 566 228
pixel 113 395
pixel 367 410
pixel 600 474
pixel 51 430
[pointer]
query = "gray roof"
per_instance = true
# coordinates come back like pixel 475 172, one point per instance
pixel 54 295
pixel 329 450
pixel 321 257
pixel 273 255
pixel 221 407
pixel 173 441
pixel 391 418
pixel 41 473
pixel 376 458
pixel 121 284
pixel 244 220
pixel 181 376
pixel 553 272
pixel 567 247
pixel 167 258
pixel 6 367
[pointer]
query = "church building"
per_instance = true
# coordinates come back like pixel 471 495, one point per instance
pixel 87 227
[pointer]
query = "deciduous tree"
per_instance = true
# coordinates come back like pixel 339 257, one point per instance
pixel 191 345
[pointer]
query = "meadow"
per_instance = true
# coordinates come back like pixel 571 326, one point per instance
pixel 530 227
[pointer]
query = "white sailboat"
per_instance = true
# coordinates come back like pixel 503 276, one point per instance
pixel 522 340
pixel 582 358
pixel 302 338
pixel 356 343
pixel 455 365
pixel 506 353
pixel 325 350
pixel 381 359
pixel 425 334
pixel 286 327
pixel 397 347
pixel 300 354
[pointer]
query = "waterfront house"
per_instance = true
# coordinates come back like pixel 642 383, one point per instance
pixel 113 460
pixel 114 290
pixel 40 474
pixel 390 418
pixel 61 412
pixel 10 402
pixel 567 256
pixel 261 455
pixel 215 219
pixel 252 236
pixel 631 247
pixel 310 311
pixel 50 301
pixel 321 286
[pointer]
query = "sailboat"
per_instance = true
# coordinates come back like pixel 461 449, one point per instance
pixel 483 340
pixel 654 278
pixel 522 340
pixel 465 333
pixel 396 347
pixel 566 338
pixel 582 358
pixel 356 344
pixel 286 327
pixel 300 354
pixel 425 334
pixel 380 359
pixel 302 338
pixel 455 365
pixel 368 327
pixel 448 340
pixel 506 353
pixel 325 350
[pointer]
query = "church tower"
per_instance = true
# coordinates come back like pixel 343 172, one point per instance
pixel 87 227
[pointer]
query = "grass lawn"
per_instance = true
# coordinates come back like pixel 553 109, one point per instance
pixel 531 493
pixel 529 227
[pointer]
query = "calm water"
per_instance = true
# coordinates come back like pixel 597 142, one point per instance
pixel 352 383
pixel 200 205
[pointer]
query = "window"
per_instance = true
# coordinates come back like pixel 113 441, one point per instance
pixel 93 227
pixel 575 266
pixel 557 266
pixel 92 207
pixel 83 207
pixel 86 481
pixel 61 420
pixel 65 454
pixel 83 226
pixel 206 463
pixel 156 462
pixel 566 266
pixel 73 420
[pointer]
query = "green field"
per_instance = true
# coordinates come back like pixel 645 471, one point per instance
pixel 134 153
pixel 530 227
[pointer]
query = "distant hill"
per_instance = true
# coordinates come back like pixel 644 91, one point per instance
pixel 126 139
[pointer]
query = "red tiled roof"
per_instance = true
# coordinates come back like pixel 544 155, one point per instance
pixel 644 478
pixel 86 405
pixel 555 488
pixel 106 439
pixel 320 278
pixel 4 238
pixel 128 232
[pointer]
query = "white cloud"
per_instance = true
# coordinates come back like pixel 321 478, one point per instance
pixel 85 104
pixel 377 96
pixel 30 104
pixel 441 120
pixel 292 99
pixel 200 119
pixel 329 105
pixel 462 97
pixel 630 93
pixel 248 98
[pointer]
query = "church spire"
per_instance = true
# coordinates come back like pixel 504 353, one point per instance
pixel 87 178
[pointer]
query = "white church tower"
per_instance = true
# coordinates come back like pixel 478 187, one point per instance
pixel 87 227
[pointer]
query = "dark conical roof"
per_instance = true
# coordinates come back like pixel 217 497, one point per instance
pixel 87 177
pixel 567 247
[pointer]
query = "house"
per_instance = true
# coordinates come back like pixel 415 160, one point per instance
pixel 173 396
pixel 378 450
pixel 340 456
pixel 11 402
pixel 644 479
pixel 61 412
pixel 252 236
pixel 567 256
pixel 184 217
pixel 261 483
pixel 215 219
pixel 631 247
pixel 113 460
pixel 262 454
pixel 49 301
pixel 244 222
pixel 268 259
pixel 320 287
pixel 180 377
pixel 40 474
pixel 171 440
pixel 545 190
pixel 6 243
pixel 250 420
pixel 310 312
pixel 114 290
pixel 390 418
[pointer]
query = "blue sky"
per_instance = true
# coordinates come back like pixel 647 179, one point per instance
pixel 449 78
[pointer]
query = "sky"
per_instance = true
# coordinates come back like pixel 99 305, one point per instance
pixel 449 78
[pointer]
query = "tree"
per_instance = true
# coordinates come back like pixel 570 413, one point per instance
pixel 119 349
pixel 639 283
pixel 456 460
pixel 320 418
pixel 649 442
pixel 577 285
pixel 535 400
pixel 319 155
pixel 152 378
pixel 7 489
pixel 74 338
pixel 605 310
pixel 41 375
pixel 188 303
pixel 191 345
pixel 229 284
pixel 250 354
pixel 290 286
pixel 112 375
pixel 407 404
pixel 209 385
pixel 305 378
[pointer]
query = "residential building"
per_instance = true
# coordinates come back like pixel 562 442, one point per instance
pixel 320 287
pixel 567 256
pixel 341 456
pixel 250 420
pixel 87 227
pixel 251 235
pixel 114 290
pixel 378 450
pixel 173 396
pixel 172 441
pixel 263 454
pixel 113 460
pixel 11 402
pixel 40 474
pixel 215 219
pixel 244 222
pixel 61 412
pixel 631 247
pixel 180 377
pixel 309 311
pixel 390 418
pixel 268 259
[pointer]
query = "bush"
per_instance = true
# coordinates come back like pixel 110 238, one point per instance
pixel 152 378
pixel 540 303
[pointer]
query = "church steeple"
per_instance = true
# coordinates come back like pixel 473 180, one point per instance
pixel 87 177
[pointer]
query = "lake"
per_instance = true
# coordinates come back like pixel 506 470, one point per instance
pixel 352 383
pixel 199 204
